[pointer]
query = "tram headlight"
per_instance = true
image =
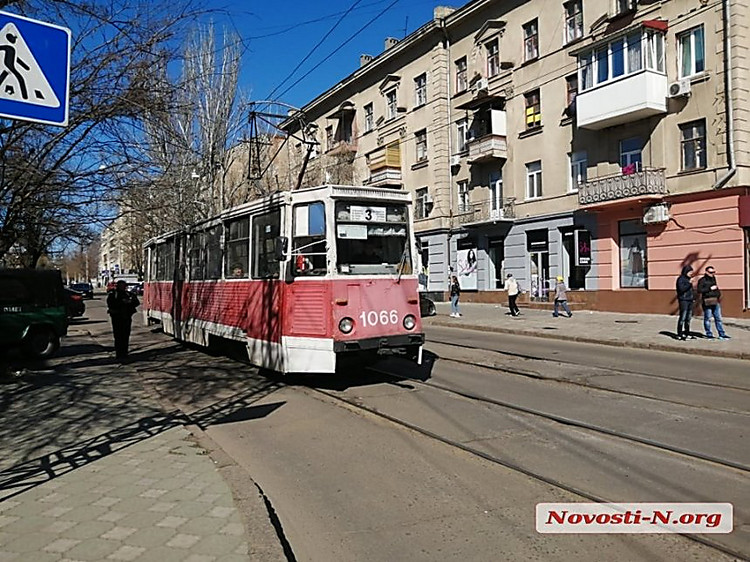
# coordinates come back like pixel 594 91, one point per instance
pixel 346 325
pixel 409 322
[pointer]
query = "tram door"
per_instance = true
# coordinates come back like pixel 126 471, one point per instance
pixel 178 278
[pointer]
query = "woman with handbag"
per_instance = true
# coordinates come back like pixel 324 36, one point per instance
pixel 709 291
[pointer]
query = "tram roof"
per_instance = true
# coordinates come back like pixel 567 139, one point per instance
pixel 284 197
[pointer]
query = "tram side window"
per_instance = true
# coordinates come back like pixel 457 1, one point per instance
pixel 309 241
pixel 238 249
pixel 213 253
pixel 266 228
pixel 165 261
pixel 197 255
pixel 152 275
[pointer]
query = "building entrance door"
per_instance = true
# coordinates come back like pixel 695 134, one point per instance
pixel 539 262
pixel 496 265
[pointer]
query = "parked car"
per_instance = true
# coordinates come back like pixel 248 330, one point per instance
pixel 74 303
pixel 86 289
pixel 33 311
pixel 426 306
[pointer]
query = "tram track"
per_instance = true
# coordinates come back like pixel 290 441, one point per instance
pixel 357 406
pixel 614 370
pixel 531 374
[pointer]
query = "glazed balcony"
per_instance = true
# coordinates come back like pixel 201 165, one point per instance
pixel 487 211
pixel 648 182
pixel 625 100
pixel 385 166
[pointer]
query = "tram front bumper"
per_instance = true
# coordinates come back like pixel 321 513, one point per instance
pixel 384 343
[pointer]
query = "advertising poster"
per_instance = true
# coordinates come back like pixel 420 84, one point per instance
pixel 467 269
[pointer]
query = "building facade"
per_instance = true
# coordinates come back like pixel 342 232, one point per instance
pixel 590 139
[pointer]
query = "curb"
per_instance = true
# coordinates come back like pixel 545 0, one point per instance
pixel 582 339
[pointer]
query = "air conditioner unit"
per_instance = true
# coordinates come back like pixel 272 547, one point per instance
pixel 428 199
pixel 480 85
pixel 656 214
pixel 455 160
pixel 679 88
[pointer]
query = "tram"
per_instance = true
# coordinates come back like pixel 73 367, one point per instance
pixel 303 278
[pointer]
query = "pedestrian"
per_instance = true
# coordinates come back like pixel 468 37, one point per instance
pixel 711 295
pixel 121 305
pixel 455 294
pixel 511 286
pixel 561 298
pixel 685 300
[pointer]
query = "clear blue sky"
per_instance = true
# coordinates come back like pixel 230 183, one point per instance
pixel 278 34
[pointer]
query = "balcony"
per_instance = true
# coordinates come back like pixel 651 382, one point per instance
pixel 631 98
pixel 487 211
pixel 649 182
pixel 385 166
pixel 487 148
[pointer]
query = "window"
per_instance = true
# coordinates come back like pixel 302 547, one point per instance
pixel 534 179
pixel 620 57
pixel 329 137
pixel 197 256
pixel 462 82
pixel 420 90
pixel 533 110
pixel 630 155
pixel 463 196
pixel 691 52
pixel 693 141
pixel 573 20
pixel 309 240
pixel 266 228
pixel 578 164
pixel 633 262
pixel 421 203
pixel 238 249
pixel 571 90
pixel 344 131
pixel 369 118
pixel 213 253
pixel 421 138
pixel 493 58
pixel 462 134
pixel 391 104
pixel 531 40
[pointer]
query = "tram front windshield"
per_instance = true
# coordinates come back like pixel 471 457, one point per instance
pixel 372 239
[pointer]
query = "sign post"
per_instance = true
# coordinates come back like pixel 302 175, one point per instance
pixel 34 70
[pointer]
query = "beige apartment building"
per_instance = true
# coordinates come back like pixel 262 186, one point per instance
pixel 590 139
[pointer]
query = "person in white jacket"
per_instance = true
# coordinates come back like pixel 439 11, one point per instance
pixel 511 286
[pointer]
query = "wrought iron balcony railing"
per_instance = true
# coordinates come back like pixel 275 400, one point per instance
pixel 622 186
pixel 487 211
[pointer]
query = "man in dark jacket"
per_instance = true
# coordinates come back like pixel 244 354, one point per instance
pixel 711 295
pixel 685 300
pixel 121 305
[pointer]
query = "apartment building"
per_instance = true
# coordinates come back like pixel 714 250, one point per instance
pixel 120 251
pixel 590 139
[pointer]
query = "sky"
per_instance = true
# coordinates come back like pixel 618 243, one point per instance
pixel 278 35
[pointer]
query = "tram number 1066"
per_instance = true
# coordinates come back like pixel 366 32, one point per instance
pixel 383 317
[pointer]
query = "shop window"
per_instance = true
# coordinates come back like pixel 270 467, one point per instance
pixel 633 255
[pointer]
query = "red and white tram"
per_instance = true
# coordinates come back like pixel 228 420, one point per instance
pixel 301 277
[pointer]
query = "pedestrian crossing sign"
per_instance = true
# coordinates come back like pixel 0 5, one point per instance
pixel 34 70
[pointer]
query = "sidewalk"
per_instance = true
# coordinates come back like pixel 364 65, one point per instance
pixel 649 331
pixel 95 468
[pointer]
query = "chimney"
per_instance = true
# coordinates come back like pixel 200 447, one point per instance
pixel 441 12
pixel 390 42
pixel 364 59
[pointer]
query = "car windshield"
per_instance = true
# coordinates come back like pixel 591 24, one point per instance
pixel 371 239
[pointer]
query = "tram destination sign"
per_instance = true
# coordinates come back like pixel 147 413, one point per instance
pixel 360 213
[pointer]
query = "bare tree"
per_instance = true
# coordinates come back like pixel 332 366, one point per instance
pixel 57 183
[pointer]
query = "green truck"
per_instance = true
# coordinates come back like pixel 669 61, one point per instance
pixel 33 313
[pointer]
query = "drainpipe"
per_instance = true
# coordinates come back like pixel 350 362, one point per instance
pixel 728 97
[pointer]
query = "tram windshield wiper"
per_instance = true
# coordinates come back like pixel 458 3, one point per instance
pixel 402 262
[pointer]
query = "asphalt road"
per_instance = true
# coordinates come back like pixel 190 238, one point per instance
pixel 490 435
